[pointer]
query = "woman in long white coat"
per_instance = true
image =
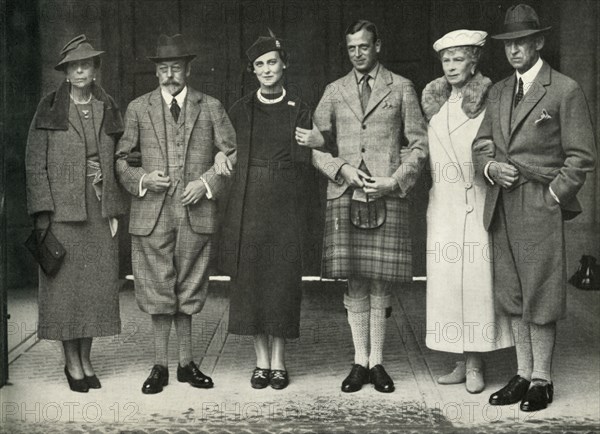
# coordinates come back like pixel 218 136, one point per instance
pixel 460 304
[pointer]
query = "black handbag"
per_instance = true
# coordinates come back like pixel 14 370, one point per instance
pixel 46 249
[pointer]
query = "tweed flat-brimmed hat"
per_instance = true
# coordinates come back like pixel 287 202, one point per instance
pixel 171 47
pixel 77 48
pixel 520 21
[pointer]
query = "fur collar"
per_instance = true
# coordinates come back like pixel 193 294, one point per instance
pixel 53 110
pixel 438 91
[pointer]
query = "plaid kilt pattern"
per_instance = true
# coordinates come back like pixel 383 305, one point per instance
pixel 383 254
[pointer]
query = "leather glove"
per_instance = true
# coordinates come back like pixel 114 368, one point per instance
pixel 41 220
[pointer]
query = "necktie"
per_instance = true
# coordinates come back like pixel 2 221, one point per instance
pixel 520 93
pixel 365 92
pixel 175 109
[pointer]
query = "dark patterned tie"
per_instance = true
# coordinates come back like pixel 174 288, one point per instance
pixel 519 95
pixel 175 110
pixel 365 92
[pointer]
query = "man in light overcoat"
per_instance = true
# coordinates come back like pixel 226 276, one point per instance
pixel 179 133
pixel 367 118
pixel 535 147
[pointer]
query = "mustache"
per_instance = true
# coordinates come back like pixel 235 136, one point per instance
pixel 169 81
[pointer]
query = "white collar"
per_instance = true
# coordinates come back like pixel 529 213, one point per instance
pixel 529 76
pixel 372 73
pixel 180 98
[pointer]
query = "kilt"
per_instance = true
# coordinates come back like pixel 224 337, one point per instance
pixel 530 277
pixel 384 253
pixel 82 299
pixel 170 265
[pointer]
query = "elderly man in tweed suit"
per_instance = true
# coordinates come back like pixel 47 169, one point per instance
pixel 178 132
pixel 366 118
pixel 535 147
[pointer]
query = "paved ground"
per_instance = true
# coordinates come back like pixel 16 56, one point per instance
pixel 38 399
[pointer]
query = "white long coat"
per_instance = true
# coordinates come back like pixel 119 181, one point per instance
pixel 460 303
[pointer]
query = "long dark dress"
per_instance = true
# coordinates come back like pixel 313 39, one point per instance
pixel 267 291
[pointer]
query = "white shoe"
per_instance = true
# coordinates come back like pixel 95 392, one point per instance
pixel 475 381
pixel 455 377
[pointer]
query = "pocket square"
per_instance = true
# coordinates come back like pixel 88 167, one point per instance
pixel 544 116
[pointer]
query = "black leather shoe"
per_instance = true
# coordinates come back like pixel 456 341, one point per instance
pixel 194 376
pixel 93 382
pixel 513 392
pixel 278 379
pixel 158 378
pixel 76 385
pixel 260 378
pixel 539 395
pixel 358 376
pixel 381 380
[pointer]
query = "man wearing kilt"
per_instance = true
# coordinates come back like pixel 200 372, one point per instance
pixel 366 118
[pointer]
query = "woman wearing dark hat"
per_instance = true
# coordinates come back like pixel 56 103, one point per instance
pixel 460 302
pixel 267 213
pixel 71 189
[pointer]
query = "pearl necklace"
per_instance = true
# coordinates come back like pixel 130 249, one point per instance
pixel 81 102
pixel 264 100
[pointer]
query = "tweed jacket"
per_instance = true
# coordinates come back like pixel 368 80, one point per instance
pixel 55 157
pixel 207 131
pixel 550 140
pixel 392 120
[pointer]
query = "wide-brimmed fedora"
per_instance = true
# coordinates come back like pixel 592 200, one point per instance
pixel 77 48
pixel 521 20
pixel 171 47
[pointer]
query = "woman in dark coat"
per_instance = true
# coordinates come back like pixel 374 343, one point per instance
pixel 71 188
pixel 267 213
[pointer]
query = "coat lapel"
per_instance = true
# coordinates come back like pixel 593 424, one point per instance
pixel 155 111
pixel 349 91
pixel 380 90
pixel 74 120
pixel 506 101
pixel 98 113
pixel 535 93
pixel 439 124
pixel 192 110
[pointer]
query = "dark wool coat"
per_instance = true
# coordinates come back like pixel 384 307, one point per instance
pixel 241 118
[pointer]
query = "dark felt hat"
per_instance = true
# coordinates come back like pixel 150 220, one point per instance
pixel 264 44
pixel 77 48
pixel 171 47
pixel 521 20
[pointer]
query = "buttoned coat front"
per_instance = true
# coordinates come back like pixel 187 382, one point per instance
pixel 549 139
pixel 207 131
pixel 460 302
pixel 392 120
